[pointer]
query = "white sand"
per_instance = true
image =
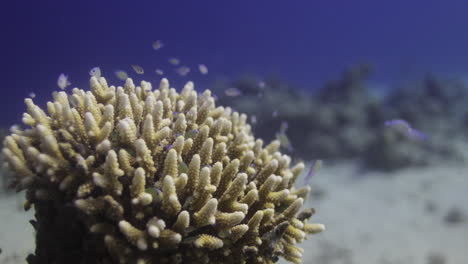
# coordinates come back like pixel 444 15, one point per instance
pixel 375 218
pixel 382 218
pixel 16 234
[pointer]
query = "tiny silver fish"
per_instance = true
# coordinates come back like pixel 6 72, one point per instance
pixel 261 84
pixel 32 95
pixel 159 72
pixel 174 61
pixel 157 44
pixel 284 140
pixel 314 167
pixel 183 70
pixel 232 92
pixel 203 69
pixel 274 114
pixel 284 126
pixel 121 75
pixel 62 81
pixel 253 119
pixel 96 72
pixel 138 69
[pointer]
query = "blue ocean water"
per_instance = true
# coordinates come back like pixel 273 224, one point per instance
pixel 304 42
pixel 301 42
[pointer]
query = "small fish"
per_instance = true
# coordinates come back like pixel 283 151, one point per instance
pixel 154 192
pixel 261 84
pixel 232 92
pixel 253 119
pixel 32 95
pixel 397 123
pixel 314 167
pixel 159 72
pixel 33 224
pixel 416 135
pixel 191 133
pixel 27 205
pixel 404 127
pixel 274 114
pixel 138 69
pixel 174 61
pixel 182 167
pixel 183 70
pixel 14 128
pixel 121 75
pixel 283 138
pixel 96 72
pixel 203 69
pixel 284 141
pixel 157 44
pixel 62 81
pixel 284 126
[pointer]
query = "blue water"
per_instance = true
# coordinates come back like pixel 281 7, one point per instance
pixel 304 42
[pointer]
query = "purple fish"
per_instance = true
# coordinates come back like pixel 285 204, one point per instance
pixel 416 134
pixel 399 123
pixel 404 127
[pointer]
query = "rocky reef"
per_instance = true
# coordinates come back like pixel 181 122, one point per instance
pixel 334 122
pixel 140 175
pixel 344 119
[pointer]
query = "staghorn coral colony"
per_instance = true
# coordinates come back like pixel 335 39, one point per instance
pixel 136 175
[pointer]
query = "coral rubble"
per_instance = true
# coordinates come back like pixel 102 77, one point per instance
pixel 135 175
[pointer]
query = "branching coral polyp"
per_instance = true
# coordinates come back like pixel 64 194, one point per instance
pixel 134 174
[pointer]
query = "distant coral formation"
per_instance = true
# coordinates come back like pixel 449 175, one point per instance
pixel 345 118
pixel 136 175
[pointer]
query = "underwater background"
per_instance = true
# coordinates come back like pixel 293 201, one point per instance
pixel 377 90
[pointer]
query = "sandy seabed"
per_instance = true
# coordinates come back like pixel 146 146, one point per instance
pixel 413 216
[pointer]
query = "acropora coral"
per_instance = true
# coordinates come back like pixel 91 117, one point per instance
pixel 135 175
